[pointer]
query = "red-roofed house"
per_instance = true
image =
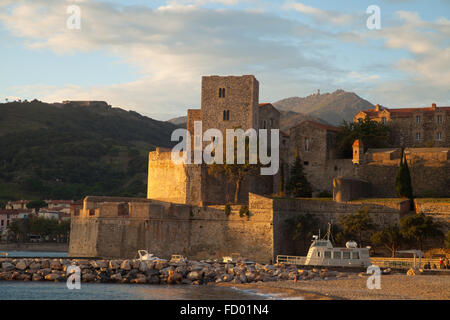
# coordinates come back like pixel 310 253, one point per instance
pixel 413 127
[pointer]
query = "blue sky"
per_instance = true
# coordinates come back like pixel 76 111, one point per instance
pixel 149 56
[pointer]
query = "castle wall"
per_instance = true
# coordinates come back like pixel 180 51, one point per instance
pixel 164 229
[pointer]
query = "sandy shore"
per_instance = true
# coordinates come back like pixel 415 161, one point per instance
pixel 393 287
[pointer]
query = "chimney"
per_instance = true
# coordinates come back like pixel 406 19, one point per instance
pixel 377 107
pixel 433 106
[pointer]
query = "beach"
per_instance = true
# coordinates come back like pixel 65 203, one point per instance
pixel 353 287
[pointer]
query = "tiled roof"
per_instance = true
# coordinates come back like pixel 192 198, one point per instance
pixel 404 112
pixel 323 126
pixel 267 104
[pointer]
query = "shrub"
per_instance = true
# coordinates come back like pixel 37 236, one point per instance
pixel 244 212
pixel 227 209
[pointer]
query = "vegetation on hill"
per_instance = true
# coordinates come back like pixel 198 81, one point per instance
pixel 331 107
pixel 64 151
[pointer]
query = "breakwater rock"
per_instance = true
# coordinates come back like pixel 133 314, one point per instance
pixel 157 271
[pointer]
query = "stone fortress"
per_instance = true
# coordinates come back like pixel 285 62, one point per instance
pixel 184 210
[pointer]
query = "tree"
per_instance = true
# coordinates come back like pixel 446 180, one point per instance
pixel 236 172
pixel 447 240
pixel 20 229
pixel 37 204
pixel 418 227
pixel 303 227
pixel 358 223
pixel 298 185
pixel 391 238
pixel 403 184
pixel 372 133
pixel 281 179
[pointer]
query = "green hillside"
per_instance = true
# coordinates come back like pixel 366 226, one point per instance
pixel 66 151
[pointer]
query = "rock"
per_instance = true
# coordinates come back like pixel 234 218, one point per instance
pixel 45 264
pixel 24 277
pixel 186 281
pixel 7 266
pixel 55 265
pixel 113 265
pixel 36 277
pixel 242 278
pixel 126 265
pixel 139 280
pixel 45 271
pixel 161 264
pixel 153 279
pixel 174 278
pixel 142 266
pixel 35 265
pixel 135 264
pixel 98 264
pixel 166 270
pixel 51 276
pixel 152 272
pixel 194 275
pixel 182 270
pixel 227 277
pixel 5 275
pixel 88 277
pixel 236 280
pixel 21 265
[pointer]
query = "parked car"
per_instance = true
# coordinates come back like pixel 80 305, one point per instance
pixel 36 238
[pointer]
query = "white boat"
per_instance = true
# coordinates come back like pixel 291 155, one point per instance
pixel 145 256
pixel 321 253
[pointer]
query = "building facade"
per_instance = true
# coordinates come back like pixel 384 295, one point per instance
pixel 413 127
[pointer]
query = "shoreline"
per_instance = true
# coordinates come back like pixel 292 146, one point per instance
pixel 35 247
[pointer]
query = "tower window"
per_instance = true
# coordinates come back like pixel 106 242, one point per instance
pixel 221 92
pixel 439 119
pixel 417 119
pixel 226 115
pixel 306 144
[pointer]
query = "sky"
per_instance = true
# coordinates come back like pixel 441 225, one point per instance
pixel 149 55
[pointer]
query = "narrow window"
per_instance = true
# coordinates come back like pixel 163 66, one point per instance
pixel 224 115
pixel 439 119
pixel 228 112
pixel 439 136
pixel 383 120
pixel 417 119
pixel 264 124
pixel 418 136
pixel 223 92
pixel 306 144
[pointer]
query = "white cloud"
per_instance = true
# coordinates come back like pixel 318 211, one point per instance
pixel 332 17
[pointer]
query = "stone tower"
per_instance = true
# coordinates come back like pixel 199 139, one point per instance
pixel 230 102
pixel 358 152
